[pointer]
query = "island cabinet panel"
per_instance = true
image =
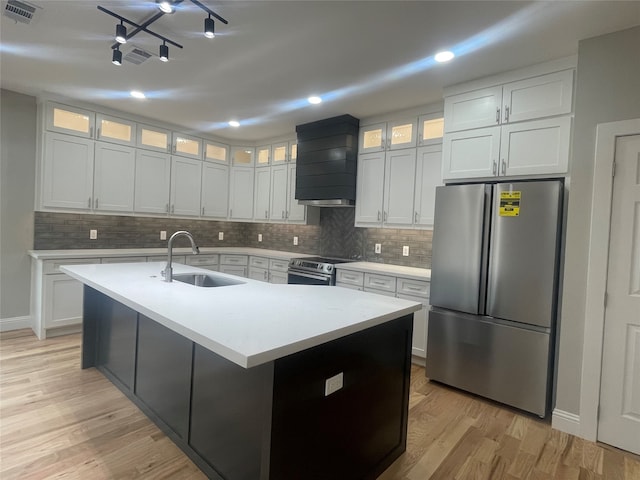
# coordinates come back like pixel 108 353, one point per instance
pixel 117 342
pixel 361 427
pixel 163 374
pixel 231 415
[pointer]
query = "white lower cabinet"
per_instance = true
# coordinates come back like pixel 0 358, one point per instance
pixel 420 326
pixel 62 301
pixel 261 274
pixel 234 264
pixel 208 261
pixel 278 271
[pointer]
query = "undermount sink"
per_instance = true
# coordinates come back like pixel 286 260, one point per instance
pixel 205 280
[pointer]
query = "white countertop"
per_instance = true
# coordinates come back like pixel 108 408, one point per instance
pixel 248 324
pixel 137 252
pixel 386 269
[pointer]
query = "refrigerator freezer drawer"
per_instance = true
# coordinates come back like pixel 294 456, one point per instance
pixel 503 363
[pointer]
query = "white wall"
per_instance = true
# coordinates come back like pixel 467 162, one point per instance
pixel 608 89
pixel 17 182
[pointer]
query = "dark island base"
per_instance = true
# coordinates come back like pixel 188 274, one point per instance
pixel 272 421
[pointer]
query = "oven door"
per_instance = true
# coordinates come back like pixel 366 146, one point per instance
pixel 305 278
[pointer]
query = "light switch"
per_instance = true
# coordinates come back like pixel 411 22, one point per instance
pixel 378 248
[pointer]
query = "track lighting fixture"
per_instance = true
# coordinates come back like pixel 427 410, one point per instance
pixel 116 58
pixel 164 52
pixel 166 6
pixel 209 27
pixel 121 33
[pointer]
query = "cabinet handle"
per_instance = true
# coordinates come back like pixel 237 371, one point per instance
pixel 98 133
pixel 384 216
pixel 90 132
pixel 175 148
pixel 168 147
pixel 96 205
pixel 231 212
pixel 266 214
pixel 282 213
pixel 498 115
pixel 495 167
pixel 506 114
pixel 89 203
pixel 286 214
pixel 166 208
pixel 415 218
pixel 173 208
pixel 203 211
pixel 504 167
pixel 378 215
pixel 265 275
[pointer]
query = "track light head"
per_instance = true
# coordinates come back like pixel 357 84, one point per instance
pixel 121 33
pixel 116 59
pixel 164 53
pixel 165 6
pixel 209 28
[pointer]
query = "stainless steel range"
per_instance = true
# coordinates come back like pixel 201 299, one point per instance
pixel 313 270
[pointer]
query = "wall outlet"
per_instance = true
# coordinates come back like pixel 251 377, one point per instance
pixel 333 384
pixel 295 240
pixel 405 251
pixel 163 234
pixel 93 234
pixel 220 235
pixel 378 248
pixel 259 237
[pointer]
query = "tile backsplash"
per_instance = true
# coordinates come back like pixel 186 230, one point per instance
pixel 335 236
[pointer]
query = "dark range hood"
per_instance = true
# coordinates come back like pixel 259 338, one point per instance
pixel 327 160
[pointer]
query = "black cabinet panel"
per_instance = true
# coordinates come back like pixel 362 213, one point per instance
pixel 231 415
pixel 117 341
pixel 163 377
pixel 361 428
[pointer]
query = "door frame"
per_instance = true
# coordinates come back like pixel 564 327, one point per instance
pixel 597 267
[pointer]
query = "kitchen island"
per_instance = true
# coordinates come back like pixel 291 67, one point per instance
pixel 254 380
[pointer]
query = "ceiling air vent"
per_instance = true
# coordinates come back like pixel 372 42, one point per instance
pixel 21 12
pixel 136 55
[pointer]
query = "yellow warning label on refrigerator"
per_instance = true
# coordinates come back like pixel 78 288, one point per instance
pixel 510 204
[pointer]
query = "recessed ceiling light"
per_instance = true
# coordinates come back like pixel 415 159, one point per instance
pixel 444 56
pixel 314 100
pixel 165 6
pixel 137 94
pixel 234 123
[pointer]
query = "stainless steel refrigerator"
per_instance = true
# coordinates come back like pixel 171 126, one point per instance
pixel 494 283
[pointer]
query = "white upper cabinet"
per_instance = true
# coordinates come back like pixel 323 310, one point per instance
pixel 473 153
pixel 113 181
pixel 70 120
pixel 152 182
pixel 215 190
pixel 278 200
pixel 263 156
pixel 261 193
pixel 370 189
pixel 430 129
pixel 242 156
pixel 293 151
pixel 187 146
pixel 297 213
pixel 216 152
pixel 402 134
pixel 241 193
pixel 67 174
pixel 480 108
pixel 185 186
pixel 115 130
pixel 153 138
pixel 372 138
pixel 399 183
pixel 428 177
pixel 542 96
pixel 279 153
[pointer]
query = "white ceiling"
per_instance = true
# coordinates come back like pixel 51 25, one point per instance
pixel 365 57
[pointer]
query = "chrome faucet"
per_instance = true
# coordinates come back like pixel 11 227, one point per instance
pixel 167 273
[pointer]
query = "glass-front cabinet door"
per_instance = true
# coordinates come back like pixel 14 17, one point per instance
pixel 216 152
pixel 242 156
pixel 401 134
pixel 293 151
pixel 187 146
pixel 115 130
pixel 372 138
pixel 154 138
pixel 263 155
pixel 71 120
pixel 430 129
pixel 279 152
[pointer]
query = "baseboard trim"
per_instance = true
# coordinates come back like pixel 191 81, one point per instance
pixel 566 422
pixel 15 323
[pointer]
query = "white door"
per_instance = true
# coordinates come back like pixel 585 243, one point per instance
pixel 186 178
pixel 370 189
pixel 261 193
pixel 399 182
pixel 215 190
pixel 113 177
pixel 152 183
pixel 619 419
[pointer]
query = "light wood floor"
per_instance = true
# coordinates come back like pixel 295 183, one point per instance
pixel 58 421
